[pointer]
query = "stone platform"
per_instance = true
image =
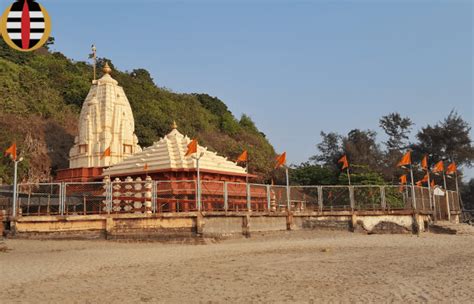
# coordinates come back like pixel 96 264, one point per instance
pixel 182 227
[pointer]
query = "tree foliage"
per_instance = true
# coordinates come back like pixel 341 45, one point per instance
pixel 370 164
pixel 47 89
pixel 447 140
pixel 397 129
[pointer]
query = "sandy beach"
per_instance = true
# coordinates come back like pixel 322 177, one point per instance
pixel 304 266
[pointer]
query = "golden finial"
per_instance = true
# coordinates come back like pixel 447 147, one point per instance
pixel 107 69
pixel 174 125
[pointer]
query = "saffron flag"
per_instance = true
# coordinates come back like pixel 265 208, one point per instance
pixel 11 151
pixel 106 153
pixel 424 163
pixel 281 160
pixel 192 147
pixel 406 160
pixel 433 184
pixel 403 181
pixel 243 158
pixel 145 167
pixel 423 180
pixel 344 161
pixel 451 168
pixel 439 167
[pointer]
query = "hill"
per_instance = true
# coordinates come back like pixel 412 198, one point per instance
pixel 40 98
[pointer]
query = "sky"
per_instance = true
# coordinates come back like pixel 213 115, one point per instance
pixel 295 67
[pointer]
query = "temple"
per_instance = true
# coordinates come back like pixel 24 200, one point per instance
pixel 166 160
pixel 106 122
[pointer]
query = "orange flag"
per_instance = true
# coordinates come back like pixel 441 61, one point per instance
pixel 403 181
pixel 145 167
pixel 406 160
pixel 281 160
pixel 106 153
pixel 439 167
pixel 192 147
pixel 345 163
pixel 424 163
pixel 451 168
pixel 433 184
pixel 423 180
pixel 11 151
pixel 243 158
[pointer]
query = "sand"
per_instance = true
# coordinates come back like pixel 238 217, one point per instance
pixel 288 267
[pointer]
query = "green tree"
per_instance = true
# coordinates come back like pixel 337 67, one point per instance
pixel 312 174
pixel 397 129
pixel 448 139
pixel 362 149
pixel 330 149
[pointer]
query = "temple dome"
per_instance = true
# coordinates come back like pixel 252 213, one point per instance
pixel 106 121
pixel 169 154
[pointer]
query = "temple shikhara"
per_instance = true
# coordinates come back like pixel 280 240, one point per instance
pixel 106 122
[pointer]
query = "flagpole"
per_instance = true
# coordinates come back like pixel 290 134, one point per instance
pixel 348 176
pixel 434 205
pixel 457 188
pixel 413 186
pixel 94 58
pixel 406 190
pixel 447 196
pixel 247 169
pixel 198 184
pixel 287 189
pixel 15 174
pixel 429 188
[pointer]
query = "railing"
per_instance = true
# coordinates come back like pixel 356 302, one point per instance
pixel 147 196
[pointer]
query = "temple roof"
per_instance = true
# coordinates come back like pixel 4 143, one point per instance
pixel 106 122
pixel 168 154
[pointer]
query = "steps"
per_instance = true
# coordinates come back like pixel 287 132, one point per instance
pixel 446 227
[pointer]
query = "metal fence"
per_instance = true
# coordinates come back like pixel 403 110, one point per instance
pixel 39 199
pixel 147 196
pixel 6 198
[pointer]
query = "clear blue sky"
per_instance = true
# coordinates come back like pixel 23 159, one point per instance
pixel 296 67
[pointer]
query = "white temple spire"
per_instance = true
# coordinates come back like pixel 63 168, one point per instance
pixel 106 120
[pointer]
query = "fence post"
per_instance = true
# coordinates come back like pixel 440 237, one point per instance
pixel 154 195
pixel 351 197
pixel 269 199
pixel 288 197
pixel 62 200
pixel 249 207
pixel 382 198
pixel 320 198
pixel 422 199
pixel 226 198
pixel 109 196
